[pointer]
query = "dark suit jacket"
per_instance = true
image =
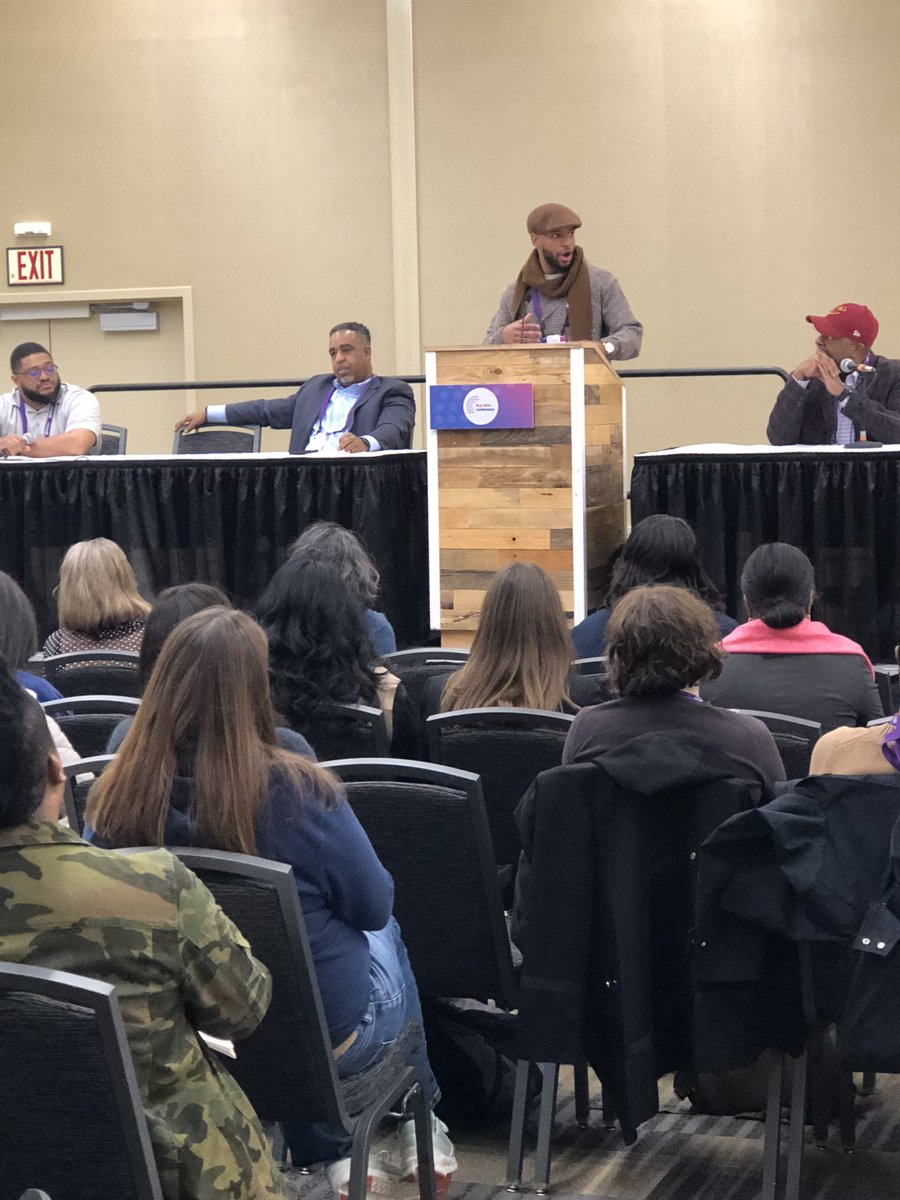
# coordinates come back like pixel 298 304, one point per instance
pixel 806 417
pixel 387 412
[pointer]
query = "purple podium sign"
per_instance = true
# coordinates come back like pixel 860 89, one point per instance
pixel 500 406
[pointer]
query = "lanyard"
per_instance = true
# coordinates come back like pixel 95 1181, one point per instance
pixel 535 299
pixel 356 403
pixel 24 417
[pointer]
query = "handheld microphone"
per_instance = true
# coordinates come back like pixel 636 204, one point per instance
pixel 848 365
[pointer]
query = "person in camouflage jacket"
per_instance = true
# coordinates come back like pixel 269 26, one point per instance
pixel 146 924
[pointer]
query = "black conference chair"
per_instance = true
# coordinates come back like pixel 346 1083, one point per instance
pixel 343 730
pixel 887 676
pixel 72 1119
pixel 795 738
pixel 88 721
pixel 286 1066
pixel 218 439
pixel 76 791
pixel 94 673
pixel 508 748
pixel 606 932
pixel 113 439
pixel 429 828
pixel 415 668
pixel 590 666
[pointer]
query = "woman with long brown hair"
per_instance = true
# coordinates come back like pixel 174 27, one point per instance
pixel 203 765
pixel 521 655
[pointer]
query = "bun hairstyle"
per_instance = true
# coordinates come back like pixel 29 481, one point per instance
pixel 778 583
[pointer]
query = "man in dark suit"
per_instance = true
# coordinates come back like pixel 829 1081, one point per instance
pixel 352 409
pixel 829 400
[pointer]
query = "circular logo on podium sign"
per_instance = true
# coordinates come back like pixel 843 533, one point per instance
pixel 481 406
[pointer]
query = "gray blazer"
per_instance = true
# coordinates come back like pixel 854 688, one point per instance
pixel 387 412
pixel 806 416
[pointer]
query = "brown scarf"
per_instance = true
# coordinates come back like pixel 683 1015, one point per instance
pixel 574 285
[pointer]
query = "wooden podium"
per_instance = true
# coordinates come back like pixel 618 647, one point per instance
pixel 553 495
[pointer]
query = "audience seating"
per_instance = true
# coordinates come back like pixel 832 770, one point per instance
pixel 113 439
pixel 88 721
pixel 429 828
pixel 795 738
pixel 613 871
pixel 76 791
pixel 414 669
pixel 72 1121
pixel 94 673
pixel 218 439
pixel 508 748
pixel 286 1066
pixel 342 730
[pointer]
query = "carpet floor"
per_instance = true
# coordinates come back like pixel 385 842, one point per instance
pixel 678 1156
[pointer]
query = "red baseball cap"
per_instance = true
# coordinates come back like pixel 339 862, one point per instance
pixel 850 321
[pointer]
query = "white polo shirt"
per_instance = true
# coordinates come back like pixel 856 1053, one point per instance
pixel 73 409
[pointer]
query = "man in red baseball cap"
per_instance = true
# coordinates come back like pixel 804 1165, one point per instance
pixel 842 390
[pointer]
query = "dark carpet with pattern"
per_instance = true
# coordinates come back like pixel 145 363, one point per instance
pixel 678 1156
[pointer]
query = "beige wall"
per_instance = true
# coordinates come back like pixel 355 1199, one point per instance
pixel 735 164
pixel 235 147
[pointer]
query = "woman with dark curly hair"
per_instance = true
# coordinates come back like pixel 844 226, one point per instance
pixel 319 650
pixel 662 643
pixel 660 549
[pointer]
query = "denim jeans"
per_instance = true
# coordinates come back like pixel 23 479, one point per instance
pixel 393 1000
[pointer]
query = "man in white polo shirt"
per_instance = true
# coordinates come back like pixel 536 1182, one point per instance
pixel 44 417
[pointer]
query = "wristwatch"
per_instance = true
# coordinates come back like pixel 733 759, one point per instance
pixel 28 439
pixel 609 347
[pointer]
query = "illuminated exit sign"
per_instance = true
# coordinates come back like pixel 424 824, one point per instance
pixel 28 266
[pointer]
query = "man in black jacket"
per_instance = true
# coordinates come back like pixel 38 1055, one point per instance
pixel 828 400
pixel 351 409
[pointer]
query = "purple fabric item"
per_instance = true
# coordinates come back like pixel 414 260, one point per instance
pixel 889 743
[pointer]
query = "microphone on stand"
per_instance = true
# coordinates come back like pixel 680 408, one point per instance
pixel 865 372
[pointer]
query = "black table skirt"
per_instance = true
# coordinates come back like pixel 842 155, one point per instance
pixel 227 522
pixel 842 509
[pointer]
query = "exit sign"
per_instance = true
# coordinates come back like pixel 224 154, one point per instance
pixel 29 266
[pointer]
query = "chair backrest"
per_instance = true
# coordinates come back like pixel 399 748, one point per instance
pixel 71 1114
pixel 424 656
pixel 345 730
pixel 218 439
pixel 508 748
pixel 429 828
pixel 88 721
pixel 590 666
pixel 79 777
pixel 887 676
pixel 94 673
pixel 795 738
pixel 285 1066
pixel 113 439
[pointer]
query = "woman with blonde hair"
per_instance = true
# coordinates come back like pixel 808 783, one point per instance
pixel 204 765
pixel 98 603
pixel 521 654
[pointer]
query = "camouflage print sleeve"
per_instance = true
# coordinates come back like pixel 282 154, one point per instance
pixel 226 990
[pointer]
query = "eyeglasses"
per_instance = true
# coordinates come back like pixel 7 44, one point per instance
pixel 37 372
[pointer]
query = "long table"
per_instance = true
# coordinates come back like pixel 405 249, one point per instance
pixel 842 507
pixel 227 520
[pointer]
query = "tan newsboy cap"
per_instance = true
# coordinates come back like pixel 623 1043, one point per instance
pixel 551 216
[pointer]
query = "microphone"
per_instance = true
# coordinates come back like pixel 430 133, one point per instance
pixel 848 366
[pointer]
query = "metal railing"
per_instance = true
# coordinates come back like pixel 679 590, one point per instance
pixel 200 385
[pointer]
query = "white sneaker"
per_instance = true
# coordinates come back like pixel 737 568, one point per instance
pixel 380 1179
pixel 444 1154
